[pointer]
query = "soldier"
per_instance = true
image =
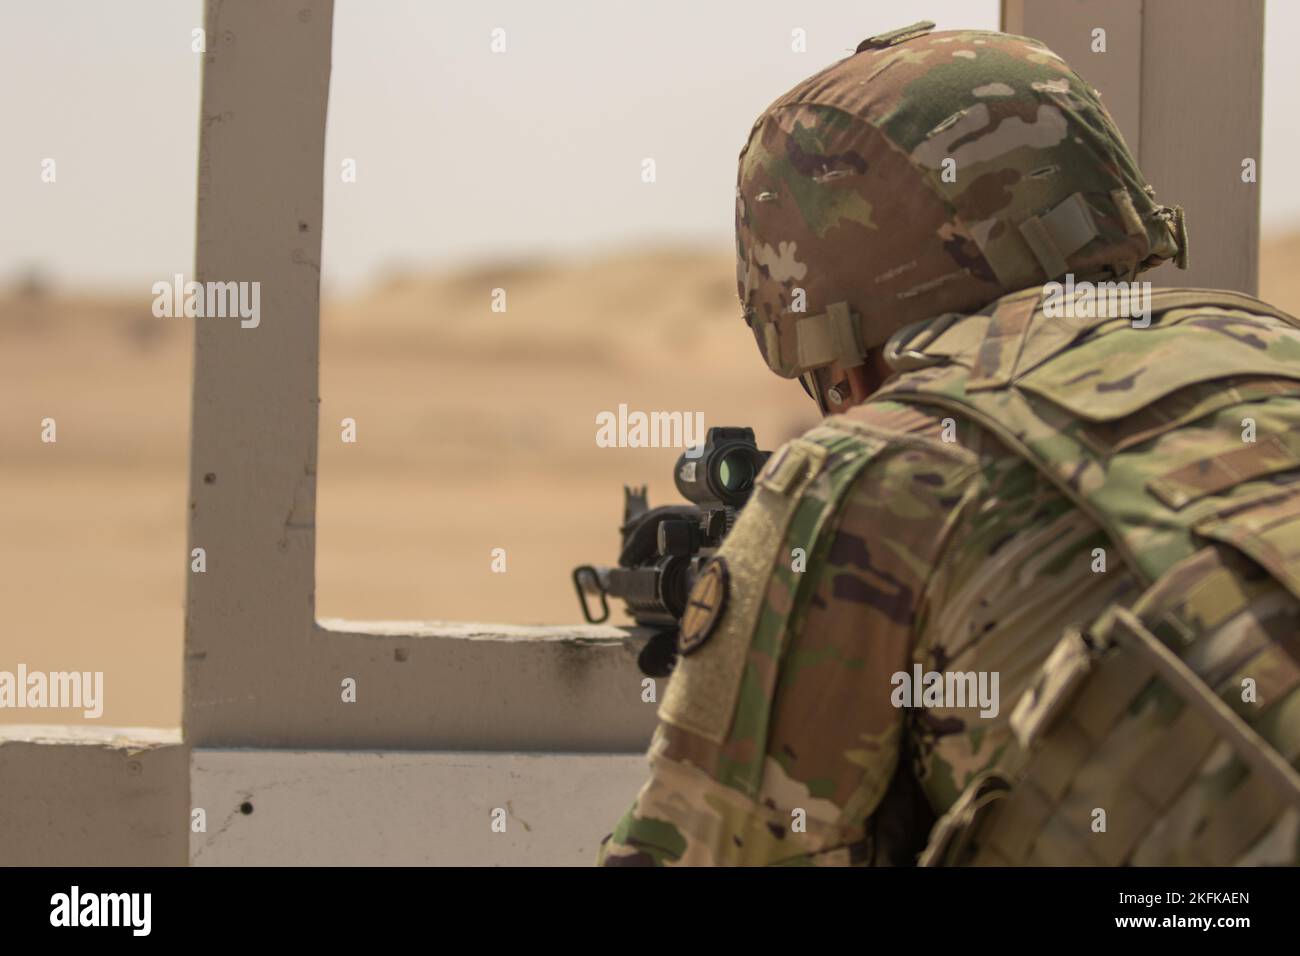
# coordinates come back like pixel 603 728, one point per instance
pixel 1030 593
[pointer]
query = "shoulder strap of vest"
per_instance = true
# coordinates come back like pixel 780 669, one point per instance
pixel 1017 318
pixel 978 381
pixel 1166 300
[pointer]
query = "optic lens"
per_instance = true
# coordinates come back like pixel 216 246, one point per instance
pixel 736 471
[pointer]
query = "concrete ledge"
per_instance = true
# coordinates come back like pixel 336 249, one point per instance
pixel 329 808
pixel 93 796
pixel 430 686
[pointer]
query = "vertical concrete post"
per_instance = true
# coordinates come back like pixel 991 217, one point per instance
pixel 1184 81
pixel 1202 115
pixel 259 670
pixel 250 616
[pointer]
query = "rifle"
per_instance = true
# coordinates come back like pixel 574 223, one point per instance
pixel 664 549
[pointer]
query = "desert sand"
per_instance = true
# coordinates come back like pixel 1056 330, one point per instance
pixel 475 430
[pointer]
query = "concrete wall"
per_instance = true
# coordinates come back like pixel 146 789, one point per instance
pixel 260 671
pixel 273 807
pixel 101 796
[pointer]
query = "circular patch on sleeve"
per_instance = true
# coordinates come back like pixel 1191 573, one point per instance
pixel 704 607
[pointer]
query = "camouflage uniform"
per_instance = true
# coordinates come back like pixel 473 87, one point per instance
pixel 1103 514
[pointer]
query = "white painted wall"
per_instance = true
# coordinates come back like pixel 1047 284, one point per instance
pixel 331 808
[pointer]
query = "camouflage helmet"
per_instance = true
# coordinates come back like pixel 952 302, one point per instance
pixel 930 173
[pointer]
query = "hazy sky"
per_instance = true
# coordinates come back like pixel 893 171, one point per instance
pixel 461 154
